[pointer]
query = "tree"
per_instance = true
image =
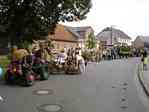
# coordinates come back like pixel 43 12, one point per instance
pixel 91 41
pixel 27 19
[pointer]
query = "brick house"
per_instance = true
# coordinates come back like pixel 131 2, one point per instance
pixel 63 38
pixel 70 37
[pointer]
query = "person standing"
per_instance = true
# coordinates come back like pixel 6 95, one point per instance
pixel 80 62
pixel 145 59
pixel 104 54
pixel 109 54
pixel 112 53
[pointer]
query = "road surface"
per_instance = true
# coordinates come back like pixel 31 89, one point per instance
pixel 108 86
pixel 118 90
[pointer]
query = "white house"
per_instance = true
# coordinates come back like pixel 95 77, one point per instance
pixel 82 34
pixel 111 36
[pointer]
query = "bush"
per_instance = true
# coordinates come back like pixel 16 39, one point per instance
pixel 88 55
pixel 4 61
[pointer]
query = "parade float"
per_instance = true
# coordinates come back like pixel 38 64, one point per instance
pixel 17 72
pixel 65 63
pixel 75 63
pixel 124 51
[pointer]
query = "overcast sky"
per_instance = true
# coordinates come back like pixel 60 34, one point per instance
pixel 131 16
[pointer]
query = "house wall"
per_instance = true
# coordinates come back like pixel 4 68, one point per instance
pixel 63 38
pixel 58 45
pixel 138 43
pixel 61 33
pixel 108 41
pixel 118 41
pixel 126 41
pixel 88 32
pixel 81 43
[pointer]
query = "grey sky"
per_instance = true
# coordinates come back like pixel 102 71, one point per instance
pixel 131 16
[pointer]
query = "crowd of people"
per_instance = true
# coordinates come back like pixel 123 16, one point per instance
pixel 121 52
pixel 41 61
pixel 73 56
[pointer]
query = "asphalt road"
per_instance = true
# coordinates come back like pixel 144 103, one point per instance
pixel 108 86
pixel 117 87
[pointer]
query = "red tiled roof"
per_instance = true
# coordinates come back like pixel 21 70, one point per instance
pixel 62 34
pixel 67 33
pixel 81 31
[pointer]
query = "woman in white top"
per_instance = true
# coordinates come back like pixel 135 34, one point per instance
pixel 80 61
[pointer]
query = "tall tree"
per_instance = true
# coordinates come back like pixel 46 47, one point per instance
pixel 36 18
pixel 91 41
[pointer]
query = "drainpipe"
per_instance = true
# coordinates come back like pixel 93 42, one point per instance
pixel 111 36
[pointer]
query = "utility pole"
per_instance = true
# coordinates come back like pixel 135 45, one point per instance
pixel 111 36
pixel 112 26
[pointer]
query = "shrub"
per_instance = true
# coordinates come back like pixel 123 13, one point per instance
pixel 4 61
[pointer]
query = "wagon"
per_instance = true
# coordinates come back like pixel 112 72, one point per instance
pixel 72 66
pixel 125 51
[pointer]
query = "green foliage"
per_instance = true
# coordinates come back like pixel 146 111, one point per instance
pixel 88 55
pixel 91 41
pixel 125 50
pixel 36 18
pixel 4 61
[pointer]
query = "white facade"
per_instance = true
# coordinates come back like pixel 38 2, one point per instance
pixel 124 41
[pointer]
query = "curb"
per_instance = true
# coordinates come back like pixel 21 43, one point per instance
pixel 141 80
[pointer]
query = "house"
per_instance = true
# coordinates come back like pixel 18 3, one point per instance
pixel 141 42
pixel 83 33
pixel 63 38
pixel 70 37
pixel 111 36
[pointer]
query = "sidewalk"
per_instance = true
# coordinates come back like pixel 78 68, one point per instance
pixel 144 78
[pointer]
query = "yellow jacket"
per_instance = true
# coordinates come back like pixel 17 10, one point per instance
pixel 145 60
